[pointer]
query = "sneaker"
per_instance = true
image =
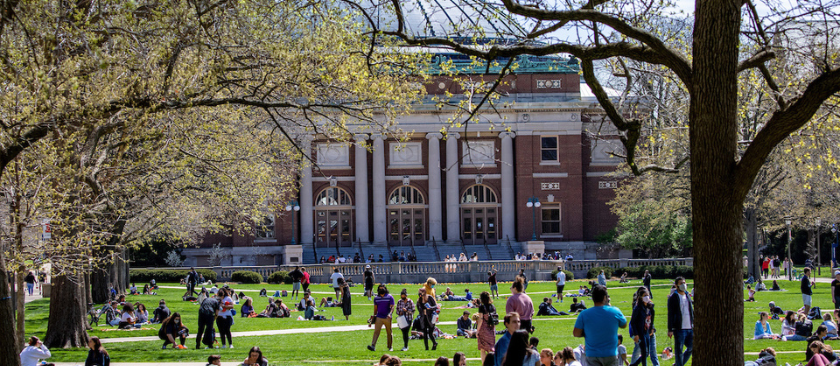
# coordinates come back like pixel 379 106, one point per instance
pixel 231 346
pixel 390 350
pixel 371 348
pixel 164 347
pixel 224 346
pixel 405 349
pixel 434 347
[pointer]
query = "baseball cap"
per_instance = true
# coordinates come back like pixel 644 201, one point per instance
pixel 368 266
pixel 836 273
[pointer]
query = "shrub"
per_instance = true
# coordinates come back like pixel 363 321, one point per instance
pixel 166 275
pixel 279 277
pixel 593 273
pixel 246 277
pixel 569 275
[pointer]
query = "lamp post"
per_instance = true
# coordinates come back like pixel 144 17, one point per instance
pixel 533 203
pixel 834 246
pixel 293 205
pixel 789 270
pixel 818 222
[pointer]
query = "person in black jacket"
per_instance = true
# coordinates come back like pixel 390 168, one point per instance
pixel 192 278
pixel 681 322
pixel 208 311
pixel 642 325
pixel 805 287
pixel 97 355
pixel 646 281
pixel 170 329
pixel 162 312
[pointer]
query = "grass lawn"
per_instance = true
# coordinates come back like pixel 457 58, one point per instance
pixel 293 349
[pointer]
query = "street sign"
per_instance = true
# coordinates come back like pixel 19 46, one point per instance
pixel 46 229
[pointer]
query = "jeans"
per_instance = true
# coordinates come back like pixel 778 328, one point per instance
pixel 643 345
pixel 30 287
pixel 795 337
pixel 651 351
pixel 682 338
pixel 224 324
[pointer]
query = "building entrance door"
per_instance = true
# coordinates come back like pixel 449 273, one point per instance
pixel 406 226
pixel 479 225
pixel 333 228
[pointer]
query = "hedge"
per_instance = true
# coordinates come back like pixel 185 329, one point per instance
pixel 246 277
pixel 569 275
pixel 595 271
pixel 659 272
pixel 166 275
pixel 279 277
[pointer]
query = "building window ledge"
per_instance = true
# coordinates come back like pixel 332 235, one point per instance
pixel 335 167
pixel 478 166
pixel 396 166
pixel 550 163
pixel 552 236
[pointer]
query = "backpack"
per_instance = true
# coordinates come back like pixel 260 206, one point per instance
pixel 815 313
pixel 493 318
pixel 804 328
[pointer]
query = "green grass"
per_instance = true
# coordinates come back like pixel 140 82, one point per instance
pixel 554 332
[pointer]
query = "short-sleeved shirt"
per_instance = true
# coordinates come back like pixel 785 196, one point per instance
pixel 600 325
pixel 621 351
pixel 334 277
pixel 226 313
pixel 521 304
pixel 806 286
pixel 561 278
pixel 836 286
pixel 209 306
pixel 296 275
pixel 383 305
pixel 492 279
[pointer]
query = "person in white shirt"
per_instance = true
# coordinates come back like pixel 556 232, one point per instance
pixel 334 277
pixel 561 283
pixel 34 353
pixel 341 259
pixel 681 322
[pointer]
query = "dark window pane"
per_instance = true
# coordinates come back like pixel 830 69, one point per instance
pixel 549 142
pixel 549 155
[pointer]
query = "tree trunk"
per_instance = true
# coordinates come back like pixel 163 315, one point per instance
pixel 100 285
pixel 20 308
pixel 717 211
pixel 66 326
pixel 8 339
pixel 753 263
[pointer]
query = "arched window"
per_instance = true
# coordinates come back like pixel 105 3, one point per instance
pixel 333 196
pixel 479 194
pixel 406 195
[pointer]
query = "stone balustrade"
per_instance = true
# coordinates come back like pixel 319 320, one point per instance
pixel 451 272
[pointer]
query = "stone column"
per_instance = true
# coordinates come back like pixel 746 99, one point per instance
pixel 435 194
pixel 453 190
pixel 508 191
pixel 361 167
pixel 380 226
pixel 307 230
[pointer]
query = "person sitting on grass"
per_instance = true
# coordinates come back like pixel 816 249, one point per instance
pixel 767 357
pixel 127 319
pixel 776 311
pixel 133 289
pixel 34 353
pixel 247 308
pixel 172 328
pixel 623 278
pixel 831 327
pixel 147 290
pixel 760 286
pixel 327 302
pixel 214 360
pixel 255 358
pixel 309 313
pixel 547 309
pixel 821 354
pixel 789 328
pixel 142 313
pixel 751 293
pixel 762 328
pixel 775 286
pixel 465 326
pixel 817 337
pixel 576 306
pixel 302 305
pixel 263 293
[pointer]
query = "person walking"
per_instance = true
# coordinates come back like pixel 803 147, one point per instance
pixel 486 325
pixel 30 282
pixel 368 282
pixel 207 313
pixel 426 308
pixel 297 277
pixel 405 310
pixel 512 324
pixel 765 266
pixel 346 304
pixel 524 279
pixel 598 326
pixel 192 279
pixel 681 322
pixel 835 290
pixel 561 283
pixel 305 282
pixel 646 282
pixel 521 304
pixel 642 327
pixel 602 279
pixel 34 352
pixel 805 287
pixel 383 308
pixel 225 318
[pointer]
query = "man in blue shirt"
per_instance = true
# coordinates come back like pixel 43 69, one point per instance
pixel 599 326
pixel 512 325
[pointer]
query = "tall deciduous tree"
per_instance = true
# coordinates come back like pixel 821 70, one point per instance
pixel 722 171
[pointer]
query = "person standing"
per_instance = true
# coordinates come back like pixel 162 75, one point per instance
pixel 405 309
pixel 494 286
pixel 225 318
pixel 296 276
pixel 97 355
pixel 346 304
pixel 521 304
pixel 383 308
pixel 512 324
pixel 368 282
pixel 207 313
pixel 305 282
pixel 681 322
pixel 30 282
pixel 646 281
pixel 765 266
pixel 334 278
pixel 34 353
pixel 524 279
pixel 642 324
pixel 598 326
pixel 602 279
pixel 835 290
pixel 192 279
pixel 561 283
pixel 805 287
pixel 487 316
pixel 426 308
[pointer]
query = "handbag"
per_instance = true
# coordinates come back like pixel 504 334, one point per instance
pixel 403 322
pixel 493 317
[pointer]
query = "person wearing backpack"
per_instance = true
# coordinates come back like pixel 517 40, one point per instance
pixel 767 357
pixel 486 325
pixel 208 311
